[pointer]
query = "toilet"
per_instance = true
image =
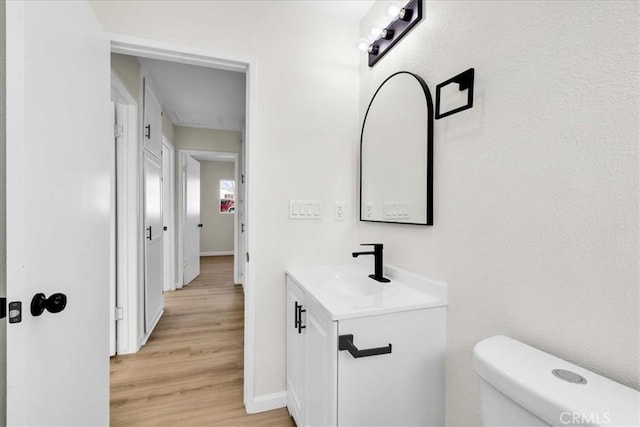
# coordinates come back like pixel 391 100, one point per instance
pixel 523 386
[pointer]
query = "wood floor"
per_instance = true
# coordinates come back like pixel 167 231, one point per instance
pixel 190 371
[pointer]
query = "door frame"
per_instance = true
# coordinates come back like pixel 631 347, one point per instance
pixel 127 202
pixel 168 180
pixel 3 234
pixel 154 49
pixel 207 156
pixel 182 217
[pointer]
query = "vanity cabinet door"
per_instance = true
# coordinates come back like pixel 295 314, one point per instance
pixel 401 388
pixel 320 369
pixel 295 351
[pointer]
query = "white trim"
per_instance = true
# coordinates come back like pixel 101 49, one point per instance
pixel 169 217
pixel 201 155
pixel 147 48
pixel 267 402
pixel 127 194
pixel 119 90
pixel 113 271
pixel 202 57
pixel 249 272
pixel 218 253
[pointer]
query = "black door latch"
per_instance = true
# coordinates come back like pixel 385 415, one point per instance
pixel 54 304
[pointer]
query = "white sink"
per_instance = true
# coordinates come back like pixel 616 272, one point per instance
pixel 346 291
pixel 352 286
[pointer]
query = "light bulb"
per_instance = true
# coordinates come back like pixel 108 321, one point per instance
pixel 375 32
pixel 363 45
pixel 405 14
pixel 393 11
pixel 387 33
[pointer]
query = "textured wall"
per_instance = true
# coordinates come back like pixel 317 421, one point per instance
pixel 536 187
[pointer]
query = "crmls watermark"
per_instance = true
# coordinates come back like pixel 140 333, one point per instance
pixel 589 418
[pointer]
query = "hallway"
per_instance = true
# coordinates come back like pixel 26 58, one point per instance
pixel 190 371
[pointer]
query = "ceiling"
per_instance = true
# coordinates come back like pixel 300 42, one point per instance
pixel 198 97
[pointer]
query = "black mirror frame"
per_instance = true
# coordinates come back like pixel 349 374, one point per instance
pixel 430 121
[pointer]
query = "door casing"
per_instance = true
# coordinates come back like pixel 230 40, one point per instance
pixel 146 48
pixel 168 200
pixel 212 156
pixel 189 231
pixel 128 219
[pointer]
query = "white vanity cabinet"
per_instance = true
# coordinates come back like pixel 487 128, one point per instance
pixel 311 361
pixel 400 384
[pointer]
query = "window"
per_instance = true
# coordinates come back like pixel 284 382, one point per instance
pixel 227 196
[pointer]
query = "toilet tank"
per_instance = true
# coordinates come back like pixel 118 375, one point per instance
pixel 523 386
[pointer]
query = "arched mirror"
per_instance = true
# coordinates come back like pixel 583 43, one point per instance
pixel 396 153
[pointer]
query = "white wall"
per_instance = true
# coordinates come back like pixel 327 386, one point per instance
pixel 207 139
pixel 128 69
pixel 536 188
pixel 307 132
pixel 217 233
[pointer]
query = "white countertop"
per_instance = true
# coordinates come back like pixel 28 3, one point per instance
pixel 346 291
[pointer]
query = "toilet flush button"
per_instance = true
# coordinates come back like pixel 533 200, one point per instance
pixel 569 376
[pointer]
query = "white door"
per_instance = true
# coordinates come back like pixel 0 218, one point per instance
pixel 240 257
pixel 320 368
pixel 192 224
pixel 59 164
pixel 117 140
pixel 366 385
pixel 167 215
pixel 152 130
pixel 153 248
pixel 295 351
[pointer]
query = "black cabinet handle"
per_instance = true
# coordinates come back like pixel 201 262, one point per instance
pixel 345 342
pixel 298 317
pixel 149 230
pixel 200 225
pixel 148 132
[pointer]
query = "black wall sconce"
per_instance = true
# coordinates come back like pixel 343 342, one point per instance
pixel 465 82
pixel 407 18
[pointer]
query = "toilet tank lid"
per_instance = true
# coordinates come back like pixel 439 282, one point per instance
pixel 524 374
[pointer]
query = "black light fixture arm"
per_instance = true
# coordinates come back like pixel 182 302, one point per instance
pixel 408 17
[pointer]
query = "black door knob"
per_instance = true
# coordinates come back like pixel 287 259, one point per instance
pixel 200 225
pixel 54 304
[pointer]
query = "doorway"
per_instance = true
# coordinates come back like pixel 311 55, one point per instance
pixel 184 55
pixel 202 220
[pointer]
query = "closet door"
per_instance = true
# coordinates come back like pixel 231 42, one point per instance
pixel 152 128
pixel 153 254
pixel 192 225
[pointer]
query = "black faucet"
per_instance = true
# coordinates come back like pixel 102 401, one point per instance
pixel 377 254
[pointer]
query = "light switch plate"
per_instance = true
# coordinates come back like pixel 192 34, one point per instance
pixel 396 210
pixel 305 209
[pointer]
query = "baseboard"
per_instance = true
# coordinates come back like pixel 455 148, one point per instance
pixel 219 253
pixel 266 402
